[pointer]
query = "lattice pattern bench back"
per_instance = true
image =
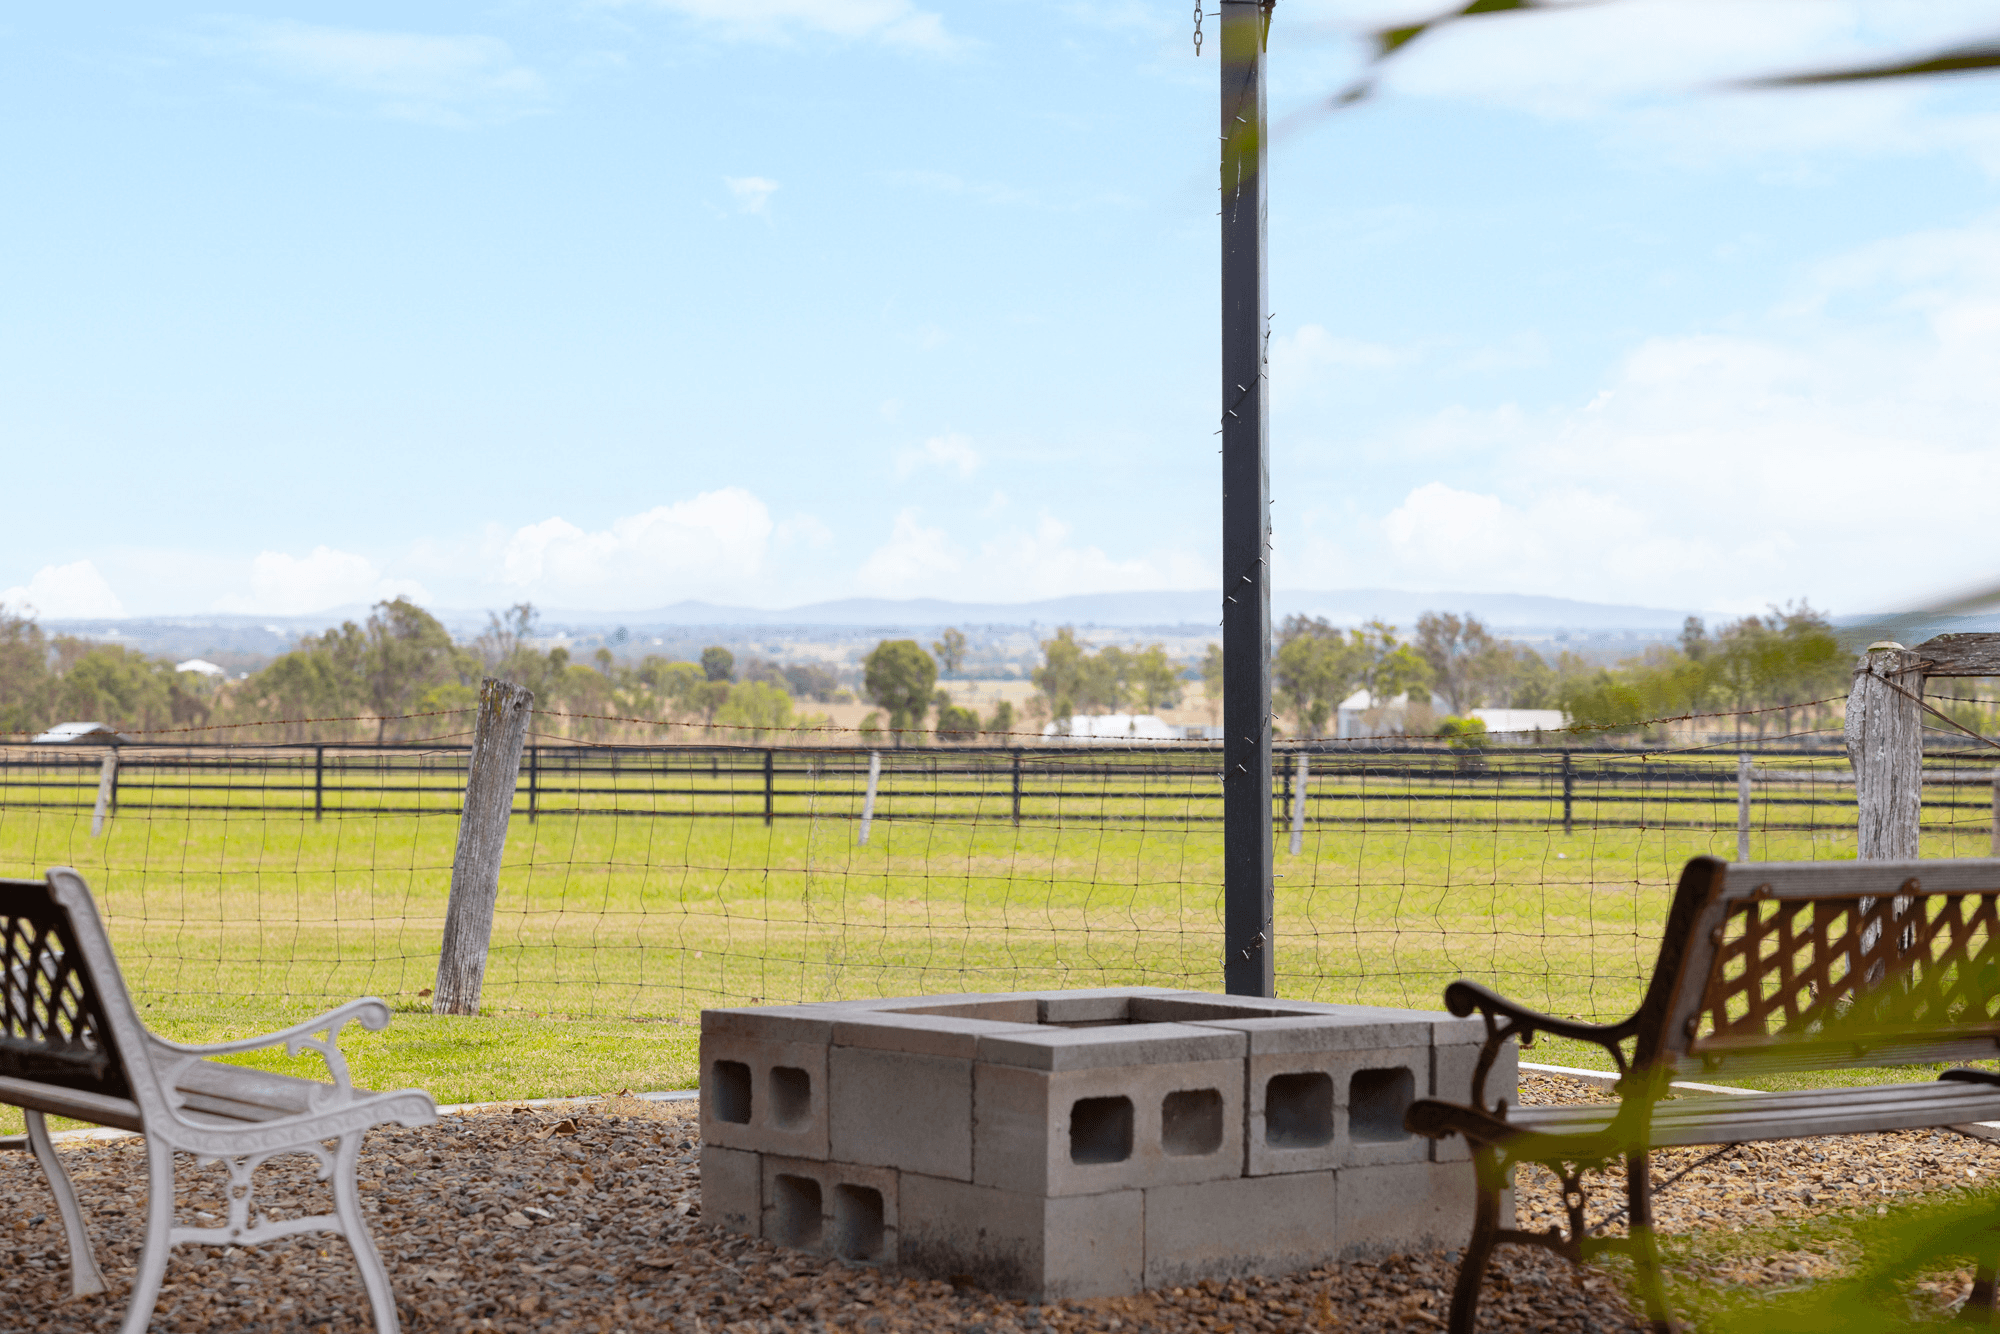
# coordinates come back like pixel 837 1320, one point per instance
pixel 52 1027
pixel 1791 965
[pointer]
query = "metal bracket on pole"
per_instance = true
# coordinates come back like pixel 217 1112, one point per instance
pixel 1247 955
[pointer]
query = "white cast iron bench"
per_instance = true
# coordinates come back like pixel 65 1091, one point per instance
pixel 1764 967
pixel 72 1045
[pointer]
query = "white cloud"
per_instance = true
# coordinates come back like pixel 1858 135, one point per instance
pixel 751 193
pixel 714 545
pixel 287 585
pixel 895 23
pixel 1814 453
pixel 58 592
pixel 409 76
pixel 948 452
pixel 912 561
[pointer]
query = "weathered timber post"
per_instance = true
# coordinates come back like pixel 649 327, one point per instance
pixel 1300 773
pixel 491 773
pixel 868 800
pixel 107 790
pixel 1742 808
pixel 1885 744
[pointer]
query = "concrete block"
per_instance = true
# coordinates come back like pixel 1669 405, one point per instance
pixel 1000 1007
pixel 1125 1045
pixel 1278 1034
pixel 900 1109
pixel 1082 1132
pixel 845 1210
pixel 1230 1229
pixel 771 1023
pixel 921 1034
pixel 1451 1081
pixel 1091 1006
pixel 1189 1007
pixel 1406 1206
pixel 1310 1110
pixel 762 1095
pixel 1023 1245
pixel 732 1190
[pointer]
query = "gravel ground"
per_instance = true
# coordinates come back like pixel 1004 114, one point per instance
pixel 589 1220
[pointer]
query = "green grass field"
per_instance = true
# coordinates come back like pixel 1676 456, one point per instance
pixel 614 931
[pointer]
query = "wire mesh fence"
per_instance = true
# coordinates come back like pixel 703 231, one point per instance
pixel 648 881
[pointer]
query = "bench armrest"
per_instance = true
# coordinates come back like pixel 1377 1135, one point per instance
pixel 369 1012
pixel 1508 1019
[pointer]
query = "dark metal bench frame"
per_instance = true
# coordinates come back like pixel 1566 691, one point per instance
pixel 71 1044
pixel 1763 968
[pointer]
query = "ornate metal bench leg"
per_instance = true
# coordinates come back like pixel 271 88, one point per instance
pixel 159 1236
pixel 1980 1305
pixel 1645 1250
pixel 1479 1248
pixel 347 1205
pixel 84 1277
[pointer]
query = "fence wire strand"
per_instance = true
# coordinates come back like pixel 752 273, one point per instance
pixel 649 881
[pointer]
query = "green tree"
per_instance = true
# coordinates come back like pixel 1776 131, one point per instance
pixel 1062 676
pixel 757 708
pixel 1459 651
pixel 1313 670
pixel 24 673
pixel 950 650
pixel 900 676
pixel 1002 720
pixel 407 652
pixel 112 684
pixel 1211 680
pixel 718 663
pixel 956 723
pixel 1155 681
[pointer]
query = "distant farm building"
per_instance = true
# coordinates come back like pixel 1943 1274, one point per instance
pixel 1108 727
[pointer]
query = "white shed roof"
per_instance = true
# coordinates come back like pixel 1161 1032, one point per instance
pixel 89 734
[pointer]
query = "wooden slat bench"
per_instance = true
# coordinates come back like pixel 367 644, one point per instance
pixel 72 1045
pixel 1763 968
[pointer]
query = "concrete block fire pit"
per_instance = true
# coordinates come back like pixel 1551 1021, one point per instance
pixel 1084 1143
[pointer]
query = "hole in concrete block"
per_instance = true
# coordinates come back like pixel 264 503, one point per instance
pixel 1376 1101
pixel 1298 1110
pixel 857 1223
pixel 1191 1122
pixel 791 1097
pixel 797 1210
pixel 729 1087
pixel 1100 1130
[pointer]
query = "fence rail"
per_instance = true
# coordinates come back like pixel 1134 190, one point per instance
pixel 1173 786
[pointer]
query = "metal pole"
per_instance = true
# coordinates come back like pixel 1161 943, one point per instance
pixel 319 782
pixel 770 779
pixel 1742 808
pixel 1246 513
pixel 534 775
pixel 1017 787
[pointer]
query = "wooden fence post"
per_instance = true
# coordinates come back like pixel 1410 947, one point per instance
pixel 491 773
pixel 868 801
pixel 107 790
pixel 1742 808
pixel 1300 773
pixel 1885 744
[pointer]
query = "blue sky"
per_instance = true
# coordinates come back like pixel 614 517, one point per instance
pixel 606 305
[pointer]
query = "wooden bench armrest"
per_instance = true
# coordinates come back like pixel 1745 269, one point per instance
pixel 370 1012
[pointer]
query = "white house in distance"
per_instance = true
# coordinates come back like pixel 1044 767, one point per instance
pixel 200 667
pixel 1360 715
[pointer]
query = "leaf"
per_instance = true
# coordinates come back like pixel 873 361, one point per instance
pixel 1959 60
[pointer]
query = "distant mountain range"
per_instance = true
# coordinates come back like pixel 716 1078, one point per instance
pixel 1519 614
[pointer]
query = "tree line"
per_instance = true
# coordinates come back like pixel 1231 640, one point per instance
pixel 397 674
